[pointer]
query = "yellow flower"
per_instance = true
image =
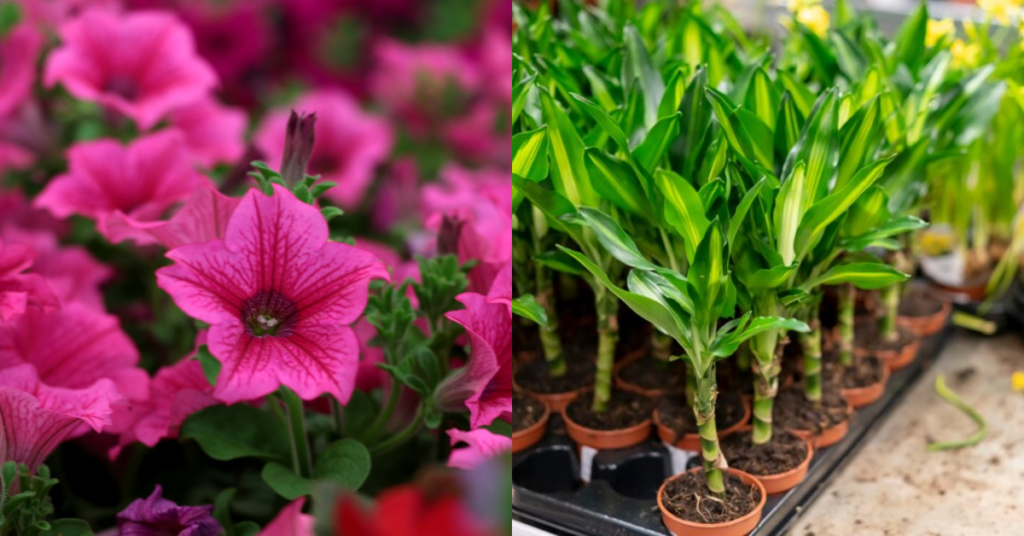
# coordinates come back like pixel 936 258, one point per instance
pixel 964 54
pixel 1018 381
pixel 795 6
pixel 814 17
pixel 938 29
pixel 1000 10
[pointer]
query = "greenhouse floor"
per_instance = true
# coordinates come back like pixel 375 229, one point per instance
pixel 895 487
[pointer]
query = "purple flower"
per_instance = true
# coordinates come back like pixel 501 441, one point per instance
pixel 156 516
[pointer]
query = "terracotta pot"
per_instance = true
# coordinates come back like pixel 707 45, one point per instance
pixel 924 326
pixel 606 439
pixel 624 385
pixel 554 401
pixel 829 436
pixel 858 397
pixel 691 442
pixel 530 435
pixel 783 482
pixel 894 359
pixel 737 527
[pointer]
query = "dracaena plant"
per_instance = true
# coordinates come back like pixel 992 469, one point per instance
pixel 687 307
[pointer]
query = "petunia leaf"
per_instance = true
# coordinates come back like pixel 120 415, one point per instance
pixel 238 431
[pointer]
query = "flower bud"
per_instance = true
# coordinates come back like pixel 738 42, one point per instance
pixel 298 146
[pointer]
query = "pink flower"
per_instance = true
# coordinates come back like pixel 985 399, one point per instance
pixel 482 444
pixel 36 418
pixel 234 36
pixel 291 521
pixel 18 54
pixel 14 156
pixel 484 385
pixel 350 144
pixel 142 64
pixel 279 298
pixel 157 516
pixel 202 218
pixel 176 392
pixel 496 59
pixel 501 289
pixel 19 291
pixel 397 196
pixel 48 13
pixel 71 272
pixel 119 186
pixel 214 133
pixel 481 135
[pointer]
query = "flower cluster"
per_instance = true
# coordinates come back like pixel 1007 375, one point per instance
pixel 249 262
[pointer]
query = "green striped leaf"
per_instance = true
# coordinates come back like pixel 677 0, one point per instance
pixel 762 98
pixel 708 270
pixel 604 121
pixel 614 239
pixel 788 125
pixel 860 140
pixel 818 149
pixel 675 90
pixel 530 154
pixel 657 142
pixel 637 65
pixel 738 217
pixel 863 275
pixel 616 181
pixel 519 94
pixel 803 97
pixel 527 307
pixel 789 212
pixel 568 173
pixel 599 89
pixel 684 210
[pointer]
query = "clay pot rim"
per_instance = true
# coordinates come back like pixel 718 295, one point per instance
pixel 620 383
pixel 747 478
pixel 886 374
pixel 947 306
pixel 849 415
pixel 520 389
pixel 744 422
pixel 804 465
pixel 541 423
pixel 600 433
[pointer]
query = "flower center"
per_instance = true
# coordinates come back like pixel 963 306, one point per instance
pixel 123 86
pixel 269 313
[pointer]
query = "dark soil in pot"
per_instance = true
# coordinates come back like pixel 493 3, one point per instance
pixel 920 301
pixel 625 409
pixel 526 411
pixel 783 453
pixel 866 336
pixel 649 373
pixel 794 412
pixel 864 371
pixel 677 416
pixel 687 497
pixel 534 376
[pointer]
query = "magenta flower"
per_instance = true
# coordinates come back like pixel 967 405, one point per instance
pixel 350 144
pixel 71 272
pixel 36 418
pixel 501 290
pixel 176 392
pixel 484 385
pixel 397 202
pixel 291 521
pixel 202 218
pixel 156 516
pixel 14 156
pixel 20 291
pixel 279 298
pixel 482 444
pixel 480 135
pixel 142 64
pixel 18 54
pixel 120 185
pixel 213 133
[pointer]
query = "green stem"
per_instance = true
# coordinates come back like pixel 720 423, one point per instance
pixel 384 416
pixel 891 306
pixel 550 338
pixel 811 345
pixel 847 298
pixel 957 402
pixel 743 357
pixel 704 412
pixel 300 440
pixel 338 413
pixel 661 346
pixel 691 385
pixel 401 437
pixel 607 337
pixel 766 349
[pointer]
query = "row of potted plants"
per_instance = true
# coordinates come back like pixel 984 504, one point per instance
pixel 731 198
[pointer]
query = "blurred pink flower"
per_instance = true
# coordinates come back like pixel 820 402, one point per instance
pixel 52 13
pixel 118 185
pixel 279 298
pixel 20 291
pixel 481 134
pixel 14 156
pixel 177 391
pixel 397 196
pixel 214 133
pixel 482 444
pixel 37 417
pixel 350 143
pixel 496 59
pixel 501 289
pixel 291 521
pixel 202 218
pixel 484 385
pixel 19 52
pixel 142 64
pixel 234 36
pixel 157 516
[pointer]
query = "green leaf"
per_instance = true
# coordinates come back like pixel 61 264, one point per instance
pixel 637 65
pixel 614 239
pixel 890 228
pixel 826 211
pixel 566 151
pixel 818 149
pixel 550 203
pixel 675 90
pixel 346 462
pixel 560 262
pixel 238 431
pixel 222 507
pixel 245 528
pixel 657 142
pixel 519 94
pixel 616 181
pixel 708 270
pixel 762 98
pixel 604 121
pixel 860 136
pixel 68 527
pixel 909 39
pixel 684 210
pixel 285 482
pixel 211 367
pixel 599 89
pixel 802 97
pixel 10 15
pixel 530 154
pixel 789 212
pixel 769 278
pixel 726 346
pixel 863 275
pixel 527 307
pixel 331 212
pixel 738 217
pixel 696 122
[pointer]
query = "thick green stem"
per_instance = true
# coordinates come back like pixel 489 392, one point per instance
pixel 385 415
pixel 890 306
pixel 704 412
pixel 766 349
pixel 811 345
pixel 406 434
pixel 607 338
pixel 691 385
pixel 300 440
pixel 743 357
pixel 847 298
pixel 544 293
pixel 661 346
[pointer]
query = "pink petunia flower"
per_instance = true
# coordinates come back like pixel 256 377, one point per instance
pixel 176 392
pixel 142 64
pixel 484 385
pixel 279 298
pixel 72 272
pixel 20 291
pixel 214 133
pixel 36 418
pixel 235 36
pixel 18 54
pixel 482 444
pixel 157 516
pixel 501 290
pixel 481 135
pixel 291 521
pixel 52 13
pixel 120 185
pixel 397 202
pixel 202 218
pixel 350 144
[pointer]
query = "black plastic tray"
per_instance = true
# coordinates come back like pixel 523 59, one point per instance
pixel 620 498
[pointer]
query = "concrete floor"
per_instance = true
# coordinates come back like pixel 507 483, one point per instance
pixel 895 487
